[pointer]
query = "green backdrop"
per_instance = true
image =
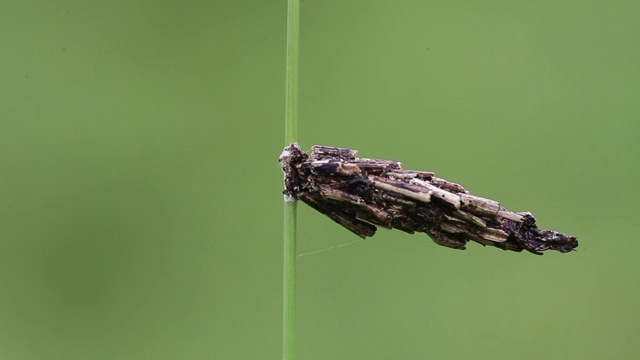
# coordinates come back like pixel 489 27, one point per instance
pixel 140 194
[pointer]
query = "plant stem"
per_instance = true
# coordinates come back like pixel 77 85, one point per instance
pixel 289 290
pixel 291 133
pixel 293 30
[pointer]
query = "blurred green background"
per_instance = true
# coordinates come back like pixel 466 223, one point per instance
pixel 140 194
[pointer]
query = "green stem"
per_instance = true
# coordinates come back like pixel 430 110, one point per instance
pixel 289 290
pixel 291 133
pixel 293 32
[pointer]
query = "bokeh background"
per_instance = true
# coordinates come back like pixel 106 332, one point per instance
pixel 140 194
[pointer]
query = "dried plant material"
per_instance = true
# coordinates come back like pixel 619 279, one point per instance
pixel 361 194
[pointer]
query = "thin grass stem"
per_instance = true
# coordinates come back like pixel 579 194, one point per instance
pixel 290 207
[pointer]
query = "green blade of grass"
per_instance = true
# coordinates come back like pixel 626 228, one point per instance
pixel 289 289
pixel 291 133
